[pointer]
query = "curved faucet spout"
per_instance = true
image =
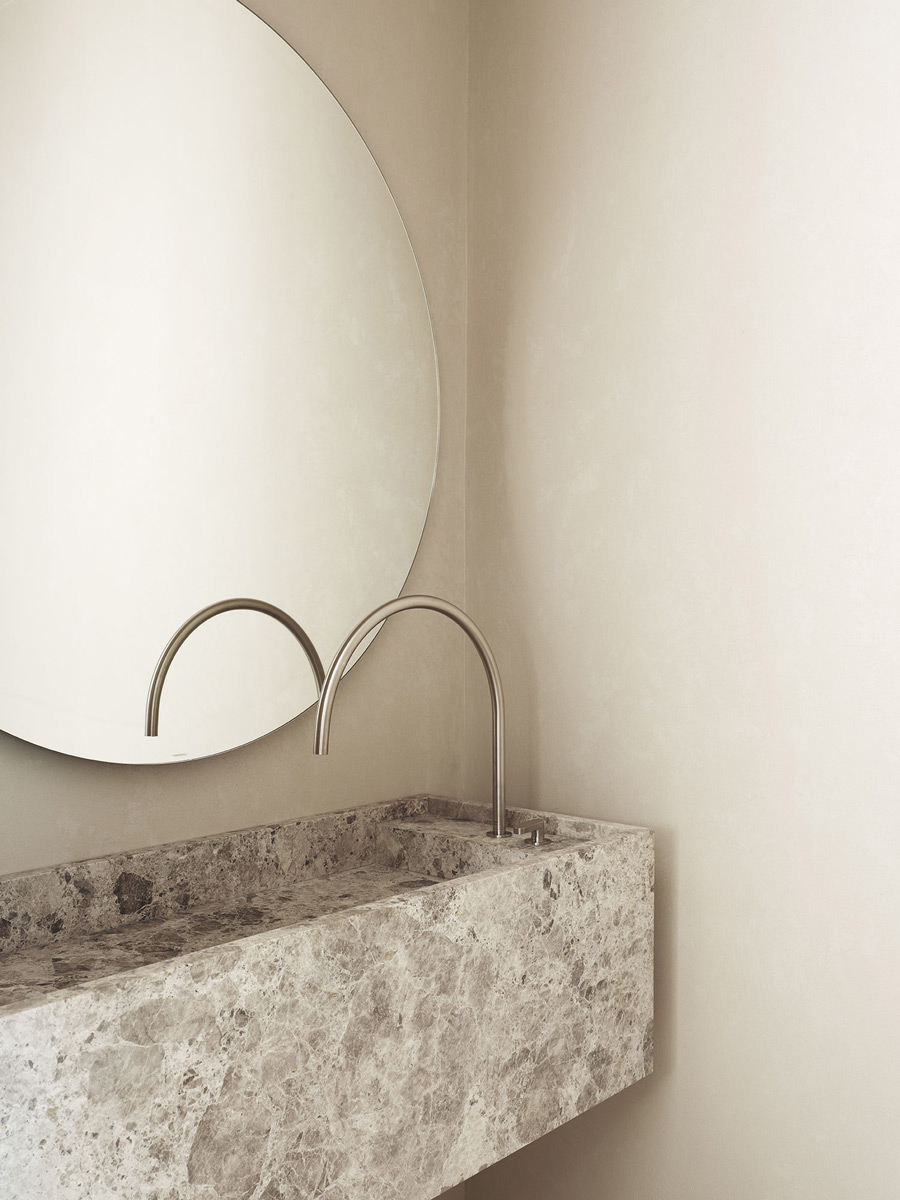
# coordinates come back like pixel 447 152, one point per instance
pixel 346 652
pixel 151 724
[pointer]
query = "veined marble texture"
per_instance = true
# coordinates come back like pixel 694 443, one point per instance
pixel 430 1001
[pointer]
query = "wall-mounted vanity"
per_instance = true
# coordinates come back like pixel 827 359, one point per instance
pixel 373 1003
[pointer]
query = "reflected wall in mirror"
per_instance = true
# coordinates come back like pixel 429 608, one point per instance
pixel 218 374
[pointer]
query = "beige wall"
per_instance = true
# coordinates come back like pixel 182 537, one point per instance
pixel 399 69
pixel 684 540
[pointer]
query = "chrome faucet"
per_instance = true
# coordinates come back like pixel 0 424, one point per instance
pixel 346 652
pixel 151 725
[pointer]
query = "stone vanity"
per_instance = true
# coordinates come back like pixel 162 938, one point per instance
pixel 372 1004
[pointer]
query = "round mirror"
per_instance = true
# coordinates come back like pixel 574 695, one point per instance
pixel 218 374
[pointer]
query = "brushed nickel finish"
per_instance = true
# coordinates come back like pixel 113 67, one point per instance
pixel 465 622
pixel 537 828
pixel 151 724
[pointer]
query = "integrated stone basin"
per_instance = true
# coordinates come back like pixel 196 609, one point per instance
pixel 368 1004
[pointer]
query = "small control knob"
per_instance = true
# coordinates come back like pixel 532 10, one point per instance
pixel 537 828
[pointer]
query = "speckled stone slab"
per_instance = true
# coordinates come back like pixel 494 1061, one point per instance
pixel 379 1028
pixel 46 907
pixel 35 973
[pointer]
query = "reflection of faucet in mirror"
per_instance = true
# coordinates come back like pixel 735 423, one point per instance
pixel 346 652
pixel 295 420
pixel 151 727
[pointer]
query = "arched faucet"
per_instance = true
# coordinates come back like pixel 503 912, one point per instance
pixel 151 725
pixel 347 650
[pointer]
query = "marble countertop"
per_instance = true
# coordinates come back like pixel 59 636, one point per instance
pixel 372 1003
pixel 36 974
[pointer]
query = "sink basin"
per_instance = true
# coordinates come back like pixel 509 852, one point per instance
pixel 372 1003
